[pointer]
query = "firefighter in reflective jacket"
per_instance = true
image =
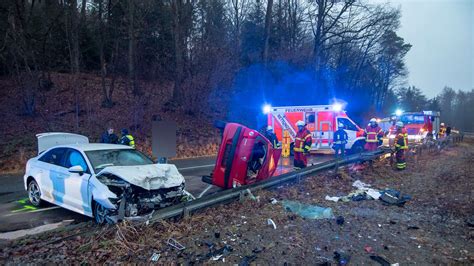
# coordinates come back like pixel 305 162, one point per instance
pixel 373 133
pixel 127 139
pixel 270 135
pixel 401 145
pixel 442 131
pixel 340 141
pixel 302 146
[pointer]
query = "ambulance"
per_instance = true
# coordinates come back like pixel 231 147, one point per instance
pixel 321 120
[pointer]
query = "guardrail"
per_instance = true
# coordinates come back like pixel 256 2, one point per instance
pixel 186 208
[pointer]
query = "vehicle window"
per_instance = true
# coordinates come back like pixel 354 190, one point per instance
pixel 54 156
pixel 75 158
pixel 119 157
pixel 348 125
pixel 412 119
pixel 310 118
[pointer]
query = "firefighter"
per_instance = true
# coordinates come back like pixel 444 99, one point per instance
pixel 302 146
pixel 442 131
pixel 109 136
pixel 401 145
pixel 340 141
pixel 127 139
pixel 270 135
pixel 373 133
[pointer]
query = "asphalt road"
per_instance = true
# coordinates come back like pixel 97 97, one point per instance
pixel 16 213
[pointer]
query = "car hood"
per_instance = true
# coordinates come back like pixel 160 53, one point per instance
pixel 150 177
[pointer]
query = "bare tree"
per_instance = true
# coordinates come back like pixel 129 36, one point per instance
pixel 268 25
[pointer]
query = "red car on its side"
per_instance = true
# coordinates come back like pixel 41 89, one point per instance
pixel 245 156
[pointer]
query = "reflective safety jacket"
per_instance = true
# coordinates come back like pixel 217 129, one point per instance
pixel 340 137
pixel 273 139
pixel 372 134
pixel 128 140
pixel 401 141
pixel 442 132
pixel 303 141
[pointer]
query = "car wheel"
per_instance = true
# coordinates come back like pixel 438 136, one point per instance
pixel 34 194
pixel 100 213
pixel 357 148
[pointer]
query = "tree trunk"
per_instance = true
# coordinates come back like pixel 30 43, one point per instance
pixel 268 25
pixel 178 51
pixel 107 101
pixel 131 48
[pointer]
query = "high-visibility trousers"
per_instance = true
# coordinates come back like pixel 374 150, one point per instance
pixel 400 158
pixel 300 159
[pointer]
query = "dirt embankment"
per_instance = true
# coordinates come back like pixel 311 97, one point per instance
pixel 56 111
pixel 431 228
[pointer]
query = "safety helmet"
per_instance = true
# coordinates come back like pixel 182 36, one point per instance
pixel 269 128
pixel 373 120
pixel 399 124
pixel 124 131
pixel 442 124
pixel 300 123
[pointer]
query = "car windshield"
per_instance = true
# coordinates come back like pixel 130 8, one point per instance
pixel 118 157
pixel 412 119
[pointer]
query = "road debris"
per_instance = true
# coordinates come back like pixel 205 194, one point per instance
pixel 172 242
pixel 271 222
pixel 155 257
pixel 335 199
pixel 394 197
pixel 307 210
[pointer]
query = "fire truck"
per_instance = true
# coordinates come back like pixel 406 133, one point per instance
pixel 321 120
pixel 419 125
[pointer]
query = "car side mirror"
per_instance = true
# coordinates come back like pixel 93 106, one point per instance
pixel 76 169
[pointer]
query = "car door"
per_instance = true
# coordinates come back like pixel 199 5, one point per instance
pixel 76 195
pixel 49 172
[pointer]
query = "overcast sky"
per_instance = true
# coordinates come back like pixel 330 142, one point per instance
pixel 441 32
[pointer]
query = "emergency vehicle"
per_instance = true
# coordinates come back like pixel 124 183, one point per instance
pixel 321 120
pixel 417 124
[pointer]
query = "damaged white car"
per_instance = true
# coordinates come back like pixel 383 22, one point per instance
pixel 105 181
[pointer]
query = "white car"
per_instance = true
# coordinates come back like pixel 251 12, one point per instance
pixel 108 182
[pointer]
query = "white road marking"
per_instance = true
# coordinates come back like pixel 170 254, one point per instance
pixel 195 167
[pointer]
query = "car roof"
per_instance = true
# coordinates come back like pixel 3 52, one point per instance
pixel 95 146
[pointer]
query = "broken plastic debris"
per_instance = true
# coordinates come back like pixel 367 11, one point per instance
pixel 271 222
pixel 335 199
pixel 172 242
pixel 273 201
pixel 373 193
pixel 307 210
pixel 360 185
pixel 155 257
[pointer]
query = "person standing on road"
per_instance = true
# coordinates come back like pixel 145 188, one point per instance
pixel 302 146
pixel 373 133
pixel 400 146
pixel 340 141
pixel 109 136
pixel 442 131
pixel 127 139
pixel 270 135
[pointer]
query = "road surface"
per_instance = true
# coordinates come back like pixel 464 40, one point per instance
pixel 16 213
